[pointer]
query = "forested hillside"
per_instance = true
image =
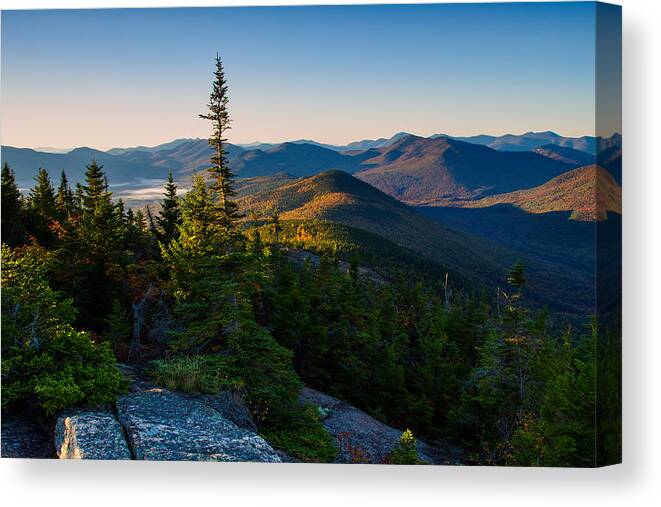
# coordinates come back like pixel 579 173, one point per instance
pixel 341 198
pixel 588 193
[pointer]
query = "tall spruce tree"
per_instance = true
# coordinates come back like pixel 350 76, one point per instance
pixel 203 286
pixel 275 225
pixel 65 200
pixel 140 221
pixel 100 223
pixel 42 195
pixel 226 210
pixel 169 218
pixel 100 253
pixel 42 209
pixel 13 216
pixel 208 264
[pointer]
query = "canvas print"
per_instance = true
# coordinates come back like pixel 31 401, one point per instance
pixel 377 234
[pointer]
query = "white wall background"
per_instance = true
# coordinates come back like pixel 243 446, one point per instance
pixel 636 482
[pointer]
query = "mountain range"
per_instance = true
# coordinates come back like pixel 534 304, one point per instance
pixel 421 170
pixel 531 140
pixel 507 142
pixel 467 205
pixel 121 170
pixel 184 156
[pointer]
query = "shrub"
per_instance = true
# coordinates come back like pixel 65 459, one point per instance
pixel 305 438
pixel 203 374
pixel 47 365
pixel 271 385
pixel 252 362
pixel 405 452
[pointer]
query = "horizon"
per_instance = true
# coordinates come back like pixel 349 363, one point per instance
pixel 334 74
pixel 68 149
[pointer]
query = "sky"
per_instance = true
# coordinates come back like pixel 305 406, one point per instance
pixel 127 77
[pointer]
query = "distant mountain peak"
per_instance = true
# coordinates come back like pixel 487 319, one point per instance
pixel 159 147
pixel 421 170
pixel 545 133
pixel 85 150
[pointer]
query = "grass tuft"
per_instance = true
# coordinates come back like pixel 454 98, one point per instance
pixel 208 374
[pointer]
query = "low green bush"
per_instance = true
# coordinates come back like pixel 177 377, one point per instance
pixel 47 365
pixel 305 438
pixel 67 370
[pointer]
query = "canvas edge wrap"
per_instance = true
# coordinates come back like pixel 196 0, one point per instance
pixel 608 241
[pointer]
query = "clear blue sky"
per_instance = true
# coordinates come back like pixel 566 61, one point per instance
pixel 122 77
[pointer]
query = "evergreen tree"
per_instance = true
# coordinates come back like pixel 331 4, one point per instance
pixel 405 452
pixel 516 277
pixel 203 286
pixel 42 209
pixel 213 311
pixel 275 225
pixel 169 218
pixel 152 235
pixel 65 200
pixel 208 256
pixel 226 210
pixel 294 294
pixel 100 222
pixel 42 196
pixel 212 283
pixel 136 239
pixel 121 210
pixel 13 215
pixel 140 221
pixel 129 218
pixel 558 426
pixel 94 254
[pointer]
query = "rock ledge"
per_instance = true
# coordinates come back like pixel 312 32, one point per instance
pixel 90 435
pixel 364 439
pixel 165 426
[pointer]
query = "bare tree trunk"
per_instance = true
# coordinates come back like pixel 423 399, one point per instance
pixel 138 322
